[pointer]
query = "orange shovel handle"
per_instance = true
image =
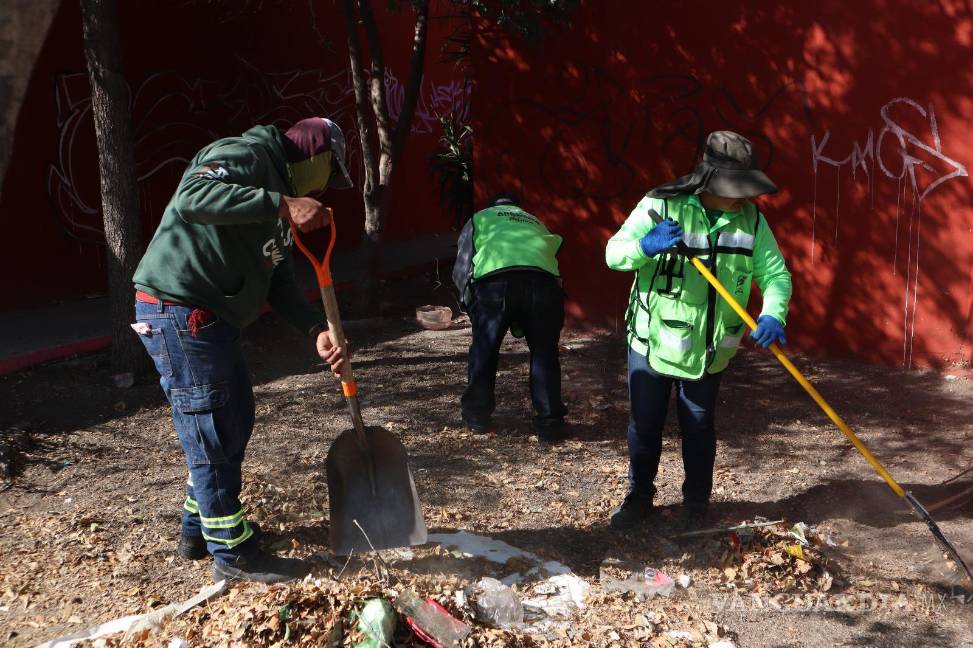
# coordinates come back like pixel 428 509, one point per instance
pixel 322 269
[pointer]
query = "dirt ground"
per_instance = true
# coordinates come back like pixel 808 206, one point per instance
pixel 91 515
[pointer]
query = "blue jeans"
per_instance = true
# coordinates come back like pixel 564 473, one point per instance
pixel 533 302
pixel 649 394
pixel 206 381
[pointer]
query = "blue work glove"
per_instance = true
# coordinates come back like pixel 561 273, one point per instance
pixel 660 238
pixel 769 330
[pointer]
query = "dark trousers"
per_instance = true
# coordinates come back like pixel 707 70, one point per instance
pixel 529 301
pixel 696 406
pixel 205 379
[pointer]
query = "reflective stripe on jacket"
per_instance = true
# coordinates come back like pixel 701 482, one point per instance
pixel 674 316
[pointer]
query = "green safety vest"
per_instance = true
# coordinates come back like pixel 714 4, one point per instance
pixel 506 237
pixel 674 316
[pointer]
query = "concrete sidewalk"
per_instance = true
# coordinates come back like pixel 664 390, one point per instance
pixel 34 335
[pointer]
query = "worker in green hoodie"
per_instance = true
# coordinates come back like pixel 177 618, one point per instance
pixel 221 251
pixel 680 333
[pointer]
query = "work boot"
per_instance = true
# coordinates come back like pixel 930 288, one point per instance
pixel 634 510
pixel 262 567
pixel 551 432
pixel 478 425
pixel 694 517
pixel 193 547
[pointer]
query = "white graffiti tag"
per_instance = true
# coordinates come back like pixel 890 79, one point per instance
pixel 905 138
pixel 864 156
pixel 898 154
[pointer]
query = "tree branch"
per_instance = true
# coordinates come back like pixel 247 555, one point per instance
pixel 377 82
pixel 358 82
pixel 414 84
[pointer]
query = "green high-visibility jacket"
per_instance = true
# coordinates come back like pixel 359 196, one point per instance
pixel 674 316
pixel 503 238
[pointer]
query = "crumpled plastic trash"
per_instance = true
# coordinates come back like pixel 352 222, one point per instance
pixel 645 582
pixel 799 532
pixel 496 604
pixel 431 622
pixel 377 621
pixel 562 595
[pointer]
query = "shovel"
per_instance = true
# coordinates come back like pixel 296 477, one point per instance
pixel 371 494
pixel 917 508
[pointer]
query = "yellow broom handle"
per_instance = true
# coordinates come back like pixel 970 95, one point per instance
pixel 799 377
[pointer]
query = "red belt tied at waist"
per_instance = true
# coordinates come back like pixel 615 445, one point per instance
pixel 197 318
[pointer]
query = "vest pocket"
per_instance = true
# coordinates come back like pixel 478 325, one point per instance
pixel 728 346
pixel 673 340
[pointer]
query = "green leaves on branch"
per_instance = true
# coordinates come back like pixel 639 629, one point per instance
pixel 528 18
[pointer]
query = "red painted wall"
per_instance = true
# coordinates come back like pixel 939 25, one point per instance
pixel 861 111
pixel 198 71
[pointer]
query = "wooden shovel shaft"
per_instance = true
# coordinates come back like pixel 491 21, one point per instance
pixel 347 376
pixel 322 269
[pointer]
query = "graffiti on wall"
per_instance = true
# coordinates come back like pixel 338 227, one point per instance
pixel 174 116
pixel 901 155
pixel 434 100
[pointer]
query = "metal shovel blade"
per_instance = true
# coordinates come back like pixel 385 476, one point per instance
pixel 365 518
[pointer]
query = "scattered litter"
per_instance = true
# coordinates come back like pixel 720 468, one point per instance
pixel 496 604
pixel 799 532
pixel 793 561
pixel 127 623
pixel 756 524
pixel 559 596
pixel 722 644
pixel 684 580
pixel 431 621
pixel 645 582
pixel 498 551
pixel 377 622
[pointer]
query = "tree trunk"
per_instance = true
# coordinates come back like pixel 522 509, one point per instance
pixel 372 107
pixel 119 187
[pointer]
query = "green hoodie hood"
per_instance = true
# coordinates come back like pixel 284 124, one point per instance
pixel 273 140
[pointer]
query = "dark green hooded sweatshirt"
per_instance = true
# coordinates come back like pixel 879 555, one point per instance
pixel 220 245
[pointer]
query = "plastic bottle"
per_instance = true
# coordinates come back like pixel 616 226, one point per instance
pixel 435 622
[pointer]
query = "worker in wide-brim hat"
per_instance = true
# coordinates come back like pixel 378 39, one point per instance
pixel 679 331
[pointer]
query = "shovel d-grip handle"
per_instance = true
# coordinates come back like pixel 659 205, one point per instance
pixel 917 508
